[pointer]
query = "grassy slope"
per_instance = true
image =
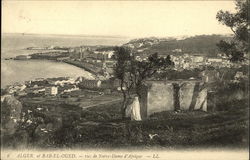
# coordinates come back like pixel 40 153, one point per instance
pixel 102 127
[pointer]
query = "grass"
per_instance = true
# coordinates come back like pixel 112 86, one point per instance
pixel 102 127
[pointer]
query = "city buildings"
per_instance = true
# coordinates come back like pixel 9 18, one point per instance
pixel 90 84
pixel 79 53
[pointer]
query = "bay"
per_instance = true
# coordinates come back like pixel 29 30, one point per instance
pixel 19 71
pixel 13 71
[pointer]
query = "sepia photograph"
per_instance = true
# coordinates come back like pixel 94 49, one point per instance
pixel 128 79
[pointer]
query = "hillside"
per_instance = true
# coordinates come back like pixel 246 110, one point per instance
pixel 203 44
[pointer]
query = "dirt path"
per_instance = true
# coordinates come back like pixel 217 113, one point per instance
pixel 101 103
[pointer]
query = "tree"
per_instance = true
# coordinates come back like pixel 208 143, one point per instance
pixel 237 48
pixel 123 58
pixel 132 72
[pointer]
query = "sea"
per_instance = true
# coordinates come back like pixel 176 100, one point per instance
pixel 19 71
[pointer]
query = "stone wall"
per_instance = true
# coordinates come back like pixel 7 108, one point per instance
pixel 173 95
pixel 160 98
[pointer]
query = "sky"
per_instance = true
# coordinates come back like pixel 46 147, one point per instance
pixel 114 18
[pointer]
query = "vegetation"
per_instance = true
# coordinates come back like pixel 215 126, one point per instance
pixel 238 47
pixel 132 72
pixel 202 44
pixel 226 74
pixel 102 126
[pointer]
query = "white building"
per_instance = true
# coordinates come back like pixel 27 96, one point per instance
pixel 63 82
pixel 109 53
pixel 197 59
pixel 51 91
pixel 177 50
pixel 214 59
pixel 186 65
pixel 72 89
pixel 16 88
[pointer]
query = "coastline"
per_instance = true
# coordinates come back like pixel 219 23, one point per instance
pixel 39 68
pixel 93 70
pixel 83 65
pixel 60 57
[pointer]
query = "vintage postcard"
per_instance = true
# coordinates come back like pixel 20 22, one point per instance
pixel 125 80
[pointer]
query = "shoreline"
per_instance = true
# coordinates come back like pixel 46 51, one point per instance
pixel 93 73
pixel 93 69
pixel 83 66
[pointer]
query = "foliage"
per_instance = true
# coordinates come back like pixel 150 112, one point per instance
pixel 176 74
pixel 132 71
pixel 237 48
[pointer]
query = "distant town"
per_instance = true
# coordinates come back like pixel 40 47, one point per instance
pixel 98 59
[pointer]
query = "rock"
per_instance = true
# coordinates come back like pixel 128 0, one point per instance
pixel 11 114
